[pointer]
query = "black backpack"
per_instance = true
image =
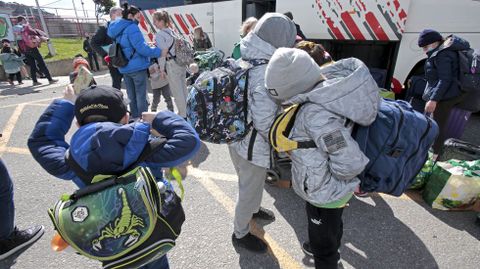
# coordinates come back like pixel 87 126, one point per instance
pixel 117 57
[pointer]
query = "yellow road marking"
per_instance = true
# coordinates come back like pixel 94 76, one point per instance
pixel 8 130
pixel 284 259
pixel 30 102
pixel 23 151
pixel 41 105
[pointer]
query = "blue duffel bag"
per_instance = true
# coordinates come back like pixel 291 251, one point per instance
pixel 397 144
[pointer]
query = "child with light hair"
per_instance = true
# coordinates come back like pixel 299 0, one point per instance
pixel 246 27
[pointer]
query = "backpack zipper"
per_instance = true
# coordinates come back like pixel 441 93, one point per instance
pixel 429 126
pixel 399 125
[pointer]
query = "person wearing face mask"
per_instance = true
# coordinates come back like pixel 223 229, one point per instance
pixel 246 27
pixel 441 72
pixel 125 31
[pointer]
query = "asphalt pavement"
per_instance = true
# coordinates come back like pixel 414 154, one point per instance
pixel 379 231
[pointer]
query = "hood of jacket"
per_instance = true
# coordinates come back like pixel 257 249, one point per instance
pixel 453 43
pixel 349 90
pixel 106 147
pixel 253 47
pixel 116 27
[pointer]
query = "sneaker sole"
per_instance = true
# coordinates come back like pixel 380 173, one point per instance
pixel 308 253
pixel 26 244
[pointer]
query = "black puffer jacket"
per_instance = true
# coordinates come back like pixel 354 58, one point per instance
pixel 442 70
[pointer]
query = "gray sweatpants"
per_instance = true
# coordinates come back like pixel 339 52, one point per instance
pixel 178 86
pixel 251 179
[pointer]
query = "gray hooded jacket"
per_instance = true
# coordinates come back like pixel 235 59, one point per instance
pixel 329 172
pixel 261 108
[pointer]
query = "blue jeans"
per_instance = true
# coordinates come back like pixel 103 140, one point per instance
pixel 161 263
pixel 136 84
pixel 7 209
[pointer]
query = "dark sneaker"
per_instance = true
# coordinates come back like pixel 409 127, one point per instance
pixel 307 249
pixel 20 239
pixel 264 214
pixel 250 242
pixel 36 83
pixel 52 81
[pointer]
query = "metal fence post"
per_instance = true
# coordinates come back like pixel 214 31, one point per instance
pixel 51 49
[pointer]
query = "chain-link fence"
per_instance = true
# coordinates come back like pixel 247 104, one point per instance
pixel 63 22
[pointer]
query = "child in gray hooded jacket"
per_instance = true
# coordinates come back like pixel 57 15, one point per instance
pixel 325 176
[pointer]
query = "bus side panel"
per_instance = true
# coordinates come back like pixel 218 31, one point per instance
pixel 184 19
pixel 382 20
pixel 454 16
pixel 459 17
pixel 227 17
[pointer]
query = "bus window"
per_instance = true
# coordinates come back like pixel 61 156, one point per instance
pixel 256 8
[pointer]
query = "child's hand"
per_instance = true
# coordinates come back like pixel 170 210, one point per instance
pixel 163 75
pixel 69 93
pixel 148 116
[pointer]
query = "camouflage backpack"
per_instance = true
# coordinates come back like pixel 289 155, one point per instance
pixel 124 221
pixel 184 52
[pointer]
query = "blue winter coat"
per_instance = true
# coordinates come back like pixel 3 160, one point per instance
pixel 107 147
pixel 133 44
pixel 442 70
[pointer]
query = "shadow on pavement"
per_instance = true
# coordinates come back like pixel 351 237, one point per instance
pixel 459 220
pixel 201 155
pixel 10 261
pixel 15 90
pixel 373 237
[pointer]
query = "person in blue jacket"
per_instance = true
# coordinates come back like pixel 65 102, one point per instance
pixel 441 72
pixel 105 142
pixel 125 32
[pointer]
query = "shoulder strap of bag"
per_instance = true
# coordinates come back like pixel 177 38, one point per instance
pixel 87 177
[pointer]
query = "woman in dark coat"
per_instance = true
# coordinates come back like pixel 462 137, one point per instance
pixel 441 72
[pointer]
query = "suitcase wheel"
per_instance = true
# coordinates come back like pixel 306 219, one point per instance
pixel 272 177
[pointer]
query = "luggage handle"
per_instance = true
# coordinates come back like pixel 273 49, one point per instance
pixel 100 186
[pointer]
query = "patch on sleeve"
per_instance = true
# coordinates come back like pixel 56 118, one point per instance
pixel 334 141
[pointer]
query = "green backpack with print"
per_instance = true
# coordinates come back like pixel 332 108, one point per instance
pixel 125 220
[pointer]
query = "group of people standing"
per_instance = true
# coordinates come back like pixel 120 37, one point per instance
pixel 123 29
pixel 14 60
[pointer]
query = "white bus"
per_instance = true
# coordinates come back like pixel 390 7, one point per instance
pixel 382 33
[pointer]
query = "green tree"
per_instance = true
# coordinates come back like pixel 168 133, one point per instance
pixel 102 7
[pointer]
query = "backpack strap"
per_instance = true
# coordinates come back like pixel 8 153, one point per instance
pixel 86 177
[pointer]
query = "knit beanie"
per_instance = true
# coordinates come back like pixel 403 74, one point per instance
pixel 291 72
pixel 428 36
pixel 277 30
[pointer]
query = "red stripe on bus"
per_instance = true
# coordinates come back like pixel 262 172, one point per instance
pixel 352 26
pixel 180 21
pixel 402 15
pixel 397 4
pixel 142 23
pixel 376 27
pixel 191 20
pixel 338 34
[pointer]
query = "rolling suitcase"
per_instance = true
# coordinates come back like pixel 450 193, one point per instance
pixel 280 172
pixel 460 150
pixel 457 122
